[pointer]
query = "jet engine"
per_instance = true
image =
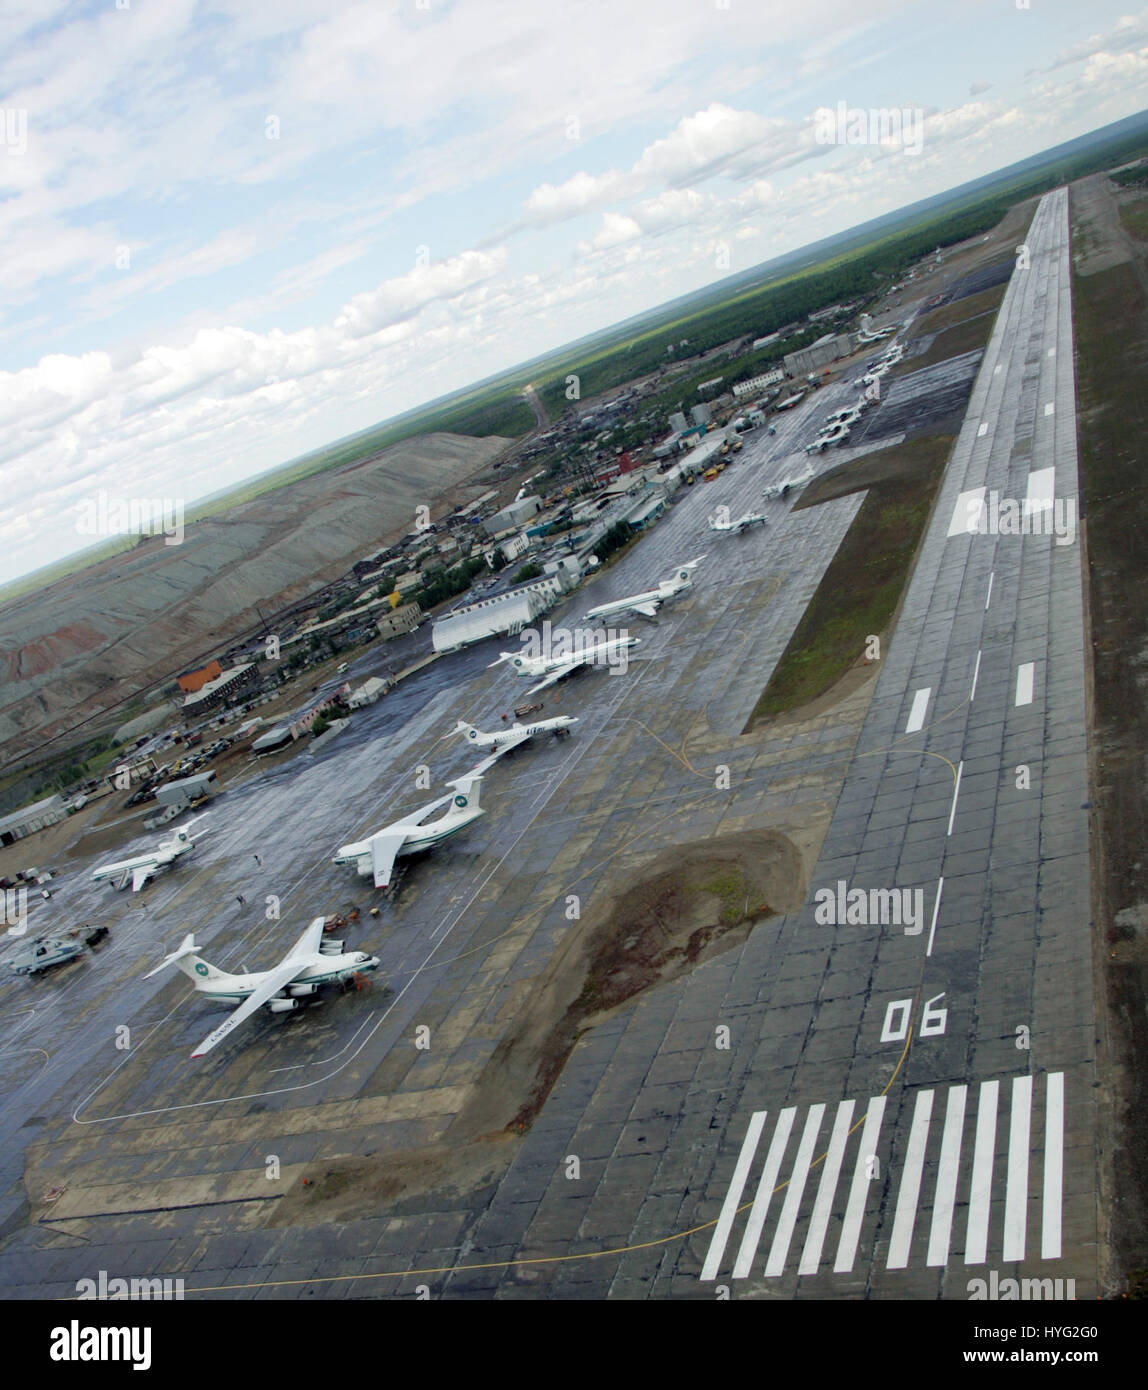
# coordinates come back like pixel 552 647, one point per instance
pixel 331 948
pixel 282 1006
pixel 301 991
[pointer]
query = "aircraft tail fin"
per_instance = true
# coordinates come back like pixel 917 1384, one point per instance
pixel 467 794
pixel 187 959
pixel 462 727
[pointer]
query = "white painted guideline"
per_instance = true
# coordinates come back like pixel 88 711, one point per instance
pixel 733 1196
pixel 934 1182
pixel 976 676
pixel 989 595
pixel 910 1183
pixel 1053 1167
pixel 1024 678
pixel 936 909
pixel 794 1193
pixel 940 1233
pixel 1052 352
pixel 1041 491
pixel 982 429
pixel 980 1193
pixel 956 793
pixel 1049 408
pixel 967 512
pixel 917 713
pixel 768 1181
pixel 1016 1186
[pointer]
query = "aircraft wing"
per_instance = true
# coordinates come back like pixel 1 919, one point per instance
pixel 308 943
pixel 385 848
pixel 269 986
pixel 122 869
pixel 141 873
pixel 557 674
pixel 647 610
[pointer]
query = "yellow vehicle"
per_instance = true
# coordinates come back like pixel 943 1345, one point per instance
pixel 725 447
pixel 737 446
pixel 710 474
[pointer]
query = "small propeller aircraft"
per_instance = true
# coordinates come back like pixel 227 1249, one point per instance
pixel 143 867
pixel 648 603
pixel 561 663
pixel 720 521
pixel 503 740
pixel 375 856
pixel 311 962
pixel 783 488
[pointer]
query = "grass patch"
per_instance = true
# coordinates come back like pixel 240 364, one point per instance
pixel 1134 216
pixel 859 592
pixel 983 302
pixel 961 337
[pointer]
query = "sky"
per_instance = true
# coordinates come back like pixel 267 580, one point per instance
pixel 234 231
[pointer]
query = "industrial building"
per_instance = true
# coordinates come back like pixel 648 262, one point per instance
pixel 511 517
pixel 819 354
pixel 218 691
pixel 403 619
pixel 191 681
pixel 508 613
pixel 369 692
pixel 188 791
pixel 32 818
pixel 759 383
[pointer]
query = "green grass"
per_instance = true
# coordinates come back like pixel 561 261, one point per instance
pixel 1134 216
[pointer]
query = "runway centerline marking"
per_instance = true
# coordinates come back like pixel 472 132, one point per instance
pixel 956 792
pixel 1024 682
pixel 936 909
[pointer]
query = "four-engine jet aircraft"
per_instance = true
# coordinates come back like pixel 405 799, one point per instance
pixel 311 962
pixel 503 740
pixel 137 871
pixel 553 668
pixel 735 528
pixel 376 855
pixel 648 603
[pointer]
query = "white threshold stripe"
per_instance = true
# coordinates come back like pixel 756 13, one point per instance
pixel 779 1250
pixel 1016 1187
pixel 910 1183
pixel 956 793
pixel 1053 1166
pixel 859 1191
pixel 917 713
pixel 1040 494
pixel 968 512
pixel 1024 683
pixel 976 677
pixel 830 1172
pixel 980 1193
pixel 757 1215
pixel 936 910
pixel 733 1196
pixel 941 1231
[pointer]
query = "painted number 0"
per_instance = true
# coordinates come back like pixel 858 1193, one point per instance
pixel 896 1026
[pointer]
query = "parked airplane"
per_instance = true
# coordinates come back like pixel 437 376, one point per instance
pixel 782 488
pixel 375 856
pixel 735 528
pixel 137 871
pixel 648 603
pixel 789 403
pixel 503 740
pixel 311 962
pixel 553 668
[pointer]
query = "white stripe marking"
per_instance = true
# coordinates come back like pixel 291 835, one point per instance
pixel 757 1215
pixel 968 513
pixel 976 676
pixel 989 595
pixel 1024 677
pixel 1053 1166
pixel 1052 352
pixel 936 909
pixel 733 1196
pixel 794 1193
pixel 982 428
pixel 917 713
pixel 980 1193
pixel 1041 491
pixel 1016 1187
pixel 910 1183
pixel 956 793
pixel 859 1191
pixel 1049 408
pixel 941 1230
pixel 996 369
pixel 830 1172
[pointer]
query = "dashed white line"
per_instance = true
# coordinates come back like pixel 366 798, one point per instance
pixel 976 677
pixel 917 713
pixel 956 793
pixel 1024 680
pixel 1049 408
pixel 982 429
pixel 936 909
pixel 989 595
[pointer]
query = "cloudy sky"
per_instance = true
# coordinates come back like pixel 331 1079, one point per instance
pixel 236 230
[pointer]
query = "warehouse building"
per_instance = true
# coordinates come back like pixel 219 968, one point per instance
pixel 218 691
pixel 819 354
pixel 32 818
pixel 511 517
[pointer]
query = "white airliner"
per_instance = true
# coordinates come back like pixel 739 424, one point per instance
pixel 782 488
pixel 553 668
pixel 311 962
pixel 648 603
pixel 375 856
pixel 734 528
pixel 503 740
pixel 137 871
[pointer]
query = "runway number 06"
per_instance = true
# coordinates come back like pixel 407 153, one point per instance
pixel 896 1026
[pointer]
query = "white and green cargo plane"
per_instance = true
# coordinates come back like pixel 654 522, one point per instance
pixel 311 962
